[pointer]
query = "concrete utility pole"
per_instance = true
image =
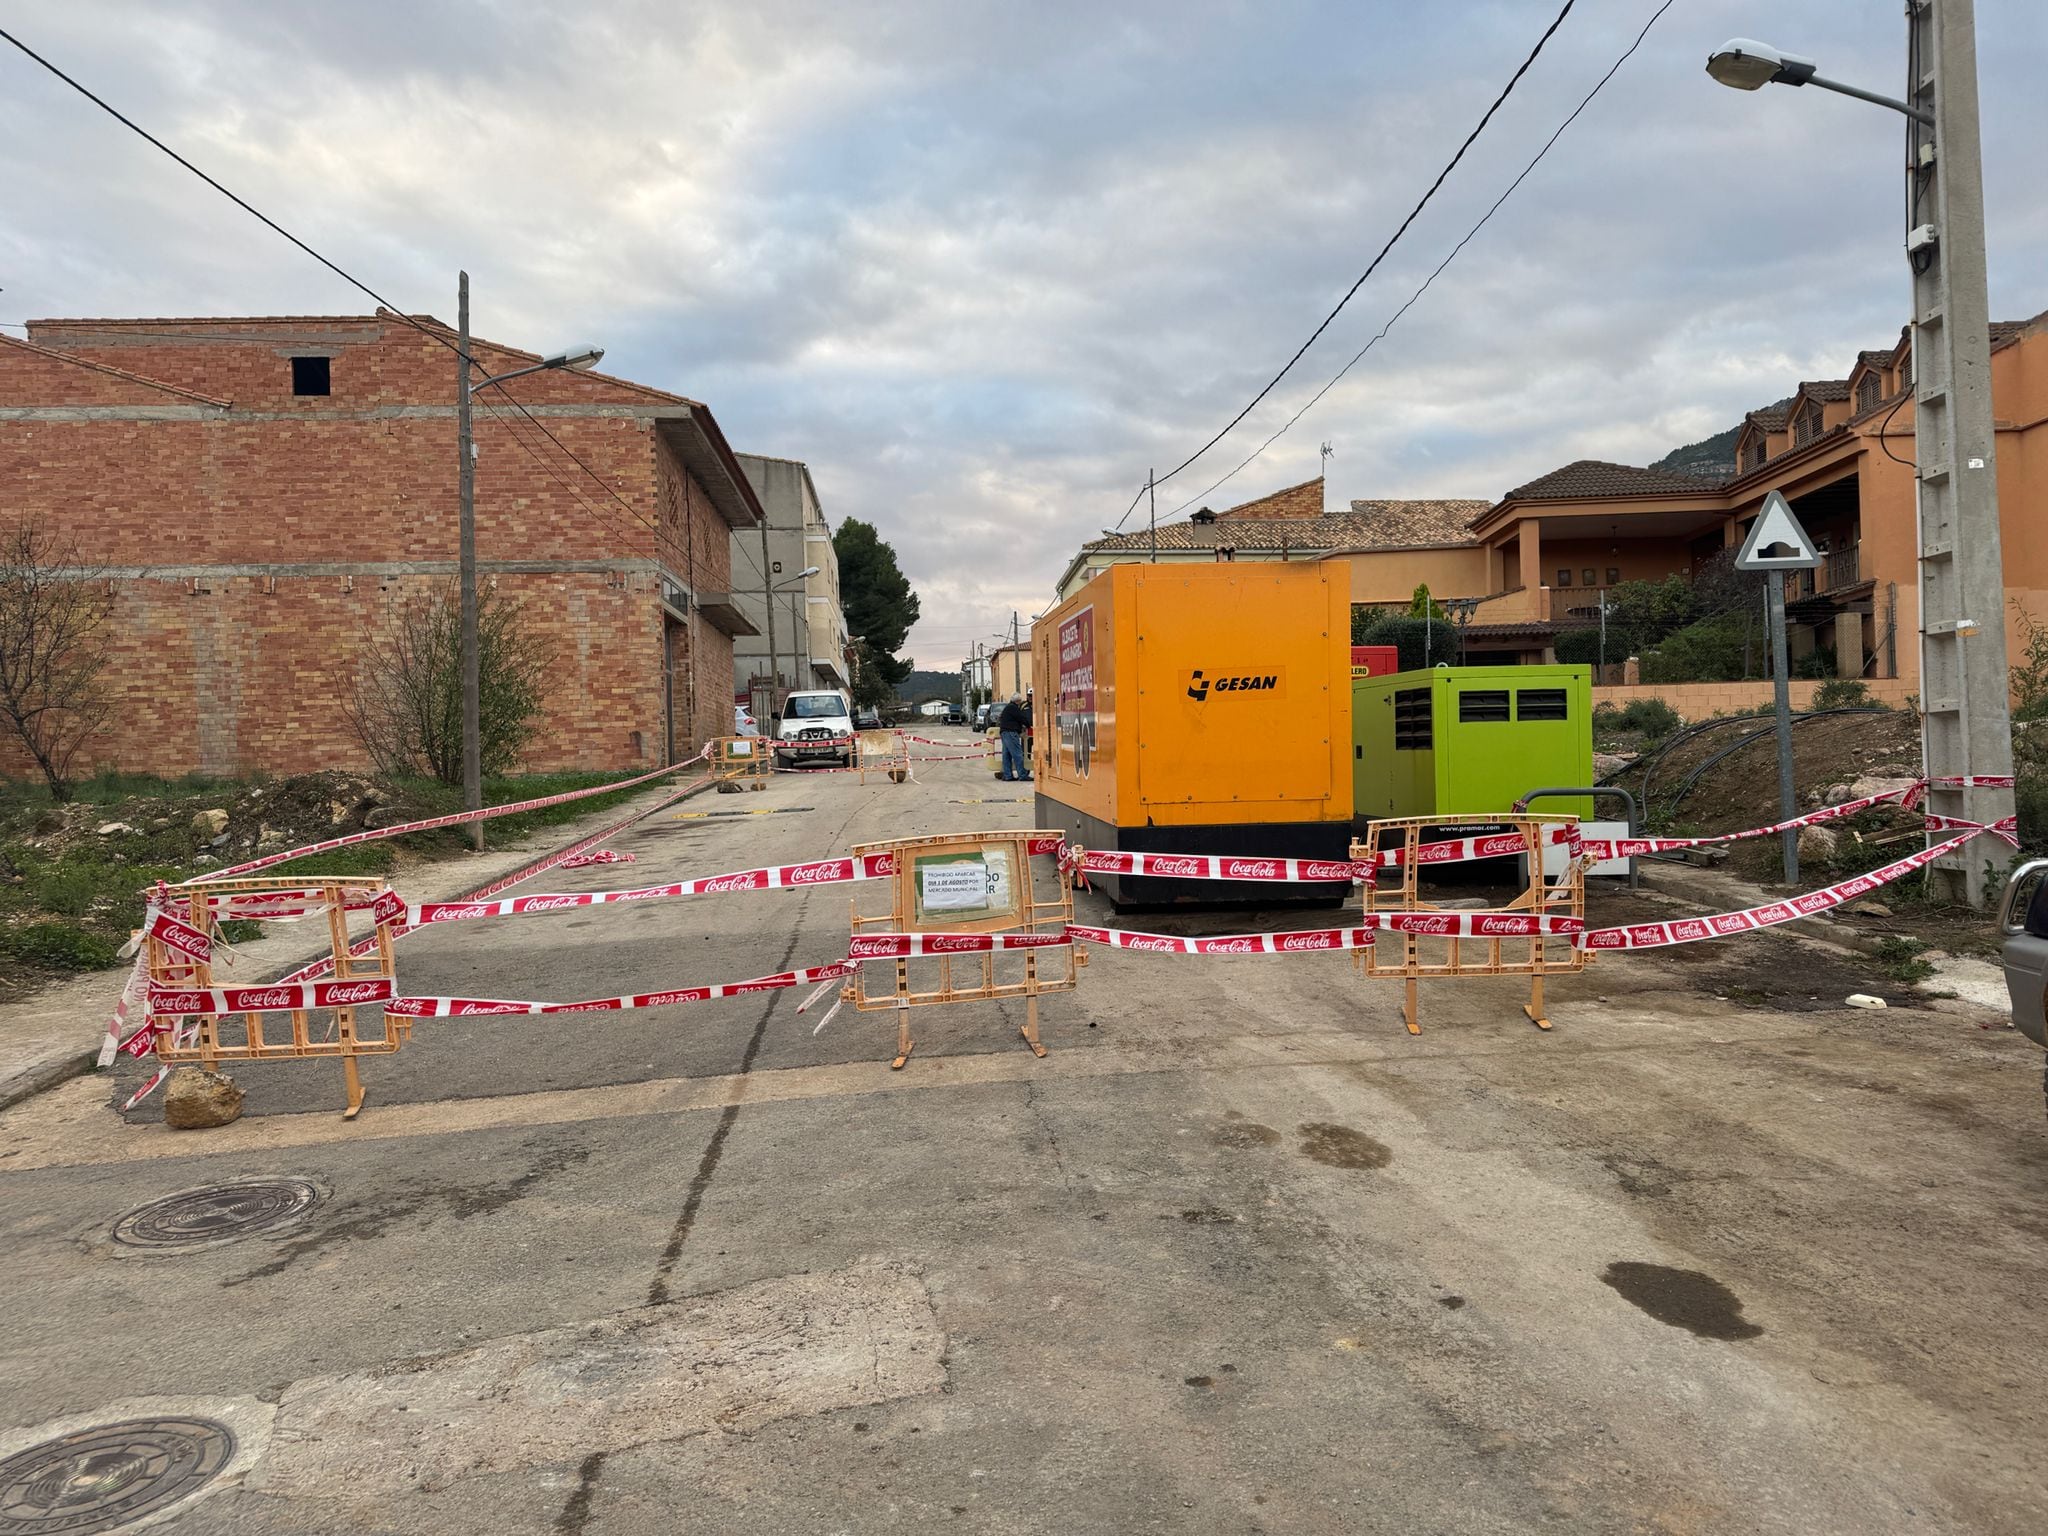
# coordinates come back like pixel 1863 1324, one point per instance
pixel 768 612
pixel 1966 713
pixel 1963 671
pixel 472 665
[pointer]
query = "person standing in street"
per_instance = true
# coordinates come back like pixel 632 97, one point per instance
pixel 1012 723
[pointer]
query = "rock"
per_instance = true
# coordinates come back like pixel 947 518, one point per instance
pixel 337 813
pixel 1868 909
pixel 384 816
pixel 209 824
pixel 266 837
pixel 218 841
pixel 375 796
pixel 111 828
pixel 1607 764
pixel 1818 843
pixel 1835 794
pixel 1865 785
pixel 158 823
pixel 195 1099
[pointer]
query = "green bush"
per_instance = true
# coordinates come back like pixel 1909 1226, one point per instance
pixel 1709 651
pixel 1581 648
pixel 1422 643
pixel 1653 718
pixel 1842 693
pixel 57 946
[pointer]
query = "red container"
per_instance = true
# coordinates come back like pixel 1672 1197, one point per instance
pixel 1375 660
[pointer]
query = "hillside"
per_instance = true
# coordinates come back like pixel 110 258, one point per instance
pixel 1710 456
pixel 921 685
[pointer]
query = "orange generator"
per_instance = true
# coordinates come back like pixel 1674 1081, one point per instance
pixel 1199 709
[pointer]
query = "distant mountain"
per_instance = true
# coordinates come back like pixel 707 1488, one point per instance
pixel 919 686
pixel 1711 457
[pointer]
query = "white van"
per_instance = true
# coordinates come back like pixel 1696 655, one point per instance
pixel 816 714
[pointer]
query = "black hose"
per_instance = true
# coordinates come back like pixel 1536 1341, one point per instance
pixel 1694 777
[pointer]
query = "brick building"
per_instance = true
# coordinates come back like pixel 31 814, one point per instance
pixel 267 494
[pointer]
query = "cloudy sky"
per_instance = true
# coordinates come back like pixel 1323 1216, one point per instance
pixel 983 264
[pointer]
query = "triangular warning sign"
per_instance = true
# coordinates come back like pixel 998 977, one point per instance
pixel 1776 542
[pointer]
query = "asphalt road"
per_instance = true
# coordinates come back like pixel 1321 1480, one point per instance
pixel 1238 1255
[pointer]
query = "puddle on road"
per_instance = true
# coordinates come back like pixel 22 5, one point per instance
pixel 1681 1298
pixel 1339 1146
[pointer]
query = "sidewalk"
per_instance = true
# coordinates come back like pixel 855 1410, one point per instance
pixel 54 1036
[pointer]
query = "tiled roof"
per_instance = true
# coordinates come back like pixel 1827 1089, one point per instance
pixel 1369 525
pixel 1594 477
pixel 1876 357
pixel 1294 501
pixel 1771 418
pixel 1824 389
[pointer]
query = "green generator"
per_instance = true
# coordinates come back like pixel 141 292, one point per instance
pixel 1463 742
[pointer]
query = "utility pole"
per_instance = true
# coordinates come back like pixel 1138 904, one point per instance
pixel 768 612
pixel 1967 718
pixel 465 483
pixel 1152 500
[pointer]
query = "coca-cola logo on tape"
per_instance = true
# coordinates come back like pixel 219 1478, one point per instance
pixel 1728 922
pixel 1245 946
pixel 750 880
pixel 603 1005
pixel 1690 928
pixel 259 1000
pixel 389 907
pixel 462 1006
pixel 1607 938
pixel 1436 853
pixel 1294 941
pixel 1495 847
pixel 754 986
pixel 1647 933
pixel 1777 912
pixel 1251 869
pixel 686 995
pixel 1321 869
pixel 1156 946
pixel 1427 922
pixel 1490 923
pixel 812 874
pixel 955 943
pixel 549 903
pixel 341 993
pixel 1166 864
pixel 448 912
pixel 142 1042
pixel 1814 901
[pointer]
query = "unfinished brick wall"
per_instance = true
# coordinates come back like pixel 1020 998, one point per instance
pixel 260 543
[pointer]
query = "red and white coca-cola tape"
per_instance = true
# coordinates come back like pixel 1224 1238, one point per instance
pixel 1720 925
pixel 602 856
pixel 1291 942
pixel 180 1002
pixel 1973 781
pixel 464 1007
pixel 1481 925
pixel 454 819
pixel 1488 845
pixel 871 866
pixel 174 933
pixel 1215 866
pixel 896 946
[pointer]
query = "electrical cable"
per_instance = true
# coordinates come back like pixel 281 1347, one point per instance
pixel 1380 335
pixel 1450 166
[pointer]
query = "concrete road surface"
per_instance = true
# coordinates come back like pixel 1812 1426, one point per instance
pixel 1716 1255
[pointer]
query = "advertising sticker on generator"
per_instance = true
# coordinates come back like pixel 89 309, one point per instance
pixel 1076 704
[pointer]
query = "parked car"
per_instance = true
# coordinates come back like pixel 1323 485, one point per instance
pixel 868 718
pixel 821 715
pixel 743 722
pixel 2023 924
pixel 956 714
pixel 981 714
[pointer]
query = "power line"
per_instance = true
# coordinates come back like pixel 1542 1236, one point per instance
pixel 346 276
pixel 1380 335
pixel 596 511
pixel 1450 166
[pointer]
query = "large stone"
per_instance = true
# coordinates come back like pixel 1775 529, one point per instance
pixel 209 824
pixel 111 828
pixel 1818 843
pixel 196 1098
pixel 386 816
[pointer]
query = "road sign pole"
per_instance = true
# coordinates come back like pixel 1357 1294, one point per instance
pixel 1781 688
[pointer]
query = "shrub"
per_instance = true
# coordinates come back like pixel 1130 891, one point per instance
pixel 1842 693
pixel 57 946
pixel 1713 650
pixel 1422 643
pixel 1653 718
pixel 1581 648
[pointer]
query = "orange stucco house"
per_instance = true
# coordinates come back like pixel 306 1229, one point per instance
pixel 1534 563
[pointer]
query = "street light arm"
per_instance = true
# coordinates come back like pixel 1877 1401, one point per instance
pixel 1918 116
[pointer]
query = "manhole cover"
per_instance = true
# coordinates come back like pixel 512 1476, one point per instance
pixel 218 1213
pixel 101 1478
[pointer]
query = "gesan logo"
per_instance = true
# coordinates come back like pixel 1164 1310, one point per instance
pixel 1200 685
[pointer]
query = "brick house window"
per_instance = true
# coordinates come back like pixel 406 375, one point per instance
pixel 309 376
pixel 1868 392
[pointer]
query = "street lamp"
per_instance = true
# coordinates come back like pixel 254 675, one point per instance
pixel 1966 722
pixel 576 359
pixel 1744 64
pixel 770 588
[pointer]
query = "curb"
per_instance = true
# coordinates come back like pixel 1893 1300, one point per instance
pixel 55 1072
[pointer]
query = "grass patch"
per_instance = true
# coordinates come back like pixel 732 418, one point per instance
pixel 1901 961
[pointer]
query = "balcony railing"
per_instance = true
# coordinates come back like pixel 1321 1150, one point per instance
pixel 1839 570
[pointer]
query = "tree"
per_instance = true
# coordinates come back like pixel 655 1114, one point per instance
pixel 54 638
pixel 1422 606
pixel 1421 642
pixel 880 607
pixel 407 708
